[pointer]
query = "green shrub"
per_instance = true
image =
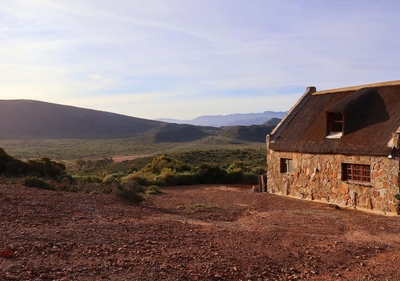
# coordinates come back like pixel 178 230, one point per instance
pixel 153 190
pixel 211 174
pixel 4 159
pixel 17 168
pixel 129 178
pixel 47 168
pixel 109 180
pixel 130 195
pixel 67 187
pixel 168 177
pixel 250 178
pixel 67 179
pixel 258 171
pixel 36 182
pixel 235 176
pixel 163 162
pixel 114 177
pixel 199 205
pixel 88 179
pixel 187 178
pixel 146 179
pixel 238 165
pixel 130 192
pixel 142 180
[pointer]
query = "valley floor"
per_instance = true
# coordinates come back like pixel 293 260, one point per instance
pixel 190 233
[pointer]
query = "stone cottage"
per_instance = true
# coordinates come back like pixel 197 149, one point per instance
pixel 340 146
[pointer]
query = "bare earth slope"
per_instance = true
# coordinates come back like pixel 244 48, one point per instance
pixel 190 233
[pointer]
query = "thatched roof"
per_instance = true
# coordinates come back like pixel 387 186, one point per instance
pixel 371 114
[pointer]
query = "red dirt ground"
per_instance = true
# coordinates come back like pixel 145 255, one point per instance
pixel 191 233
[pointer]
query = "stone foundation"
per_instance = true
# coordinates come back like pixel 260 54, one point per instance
pixel 319 177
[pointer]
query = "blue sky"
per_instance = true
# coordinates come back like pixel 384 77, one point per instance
pixel 182 58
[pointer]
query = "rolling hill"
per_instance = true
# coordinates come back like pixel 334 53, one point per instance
pixel 255 133
pixel 171 132
pixel 30 120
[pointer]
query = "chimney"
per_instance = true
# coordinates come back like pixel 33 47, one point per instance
pixel 395 139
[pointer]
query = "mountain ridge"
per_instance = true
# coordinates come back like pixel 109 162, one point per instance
pixel 235 119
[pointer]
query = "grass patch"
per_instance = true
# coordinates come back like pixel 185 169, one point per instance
pixel 202 205
pixel 199 205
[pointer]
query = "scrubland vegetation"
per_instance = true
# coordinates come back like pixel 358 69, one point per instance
pixel 152 170
pixel 79 155
pixel 71 149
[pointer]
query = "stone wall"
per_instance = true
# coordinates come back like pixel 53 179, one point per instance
pixel 318 177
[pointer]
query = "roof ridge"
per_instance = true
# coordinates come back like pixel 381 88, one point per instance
pixel 355 88
pixel 291 113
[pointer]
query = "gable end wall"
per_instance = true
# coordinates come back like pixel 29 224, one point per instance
pixel 319 177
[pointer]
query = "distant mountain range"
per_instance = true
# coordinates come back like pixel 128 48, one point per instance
pixel 29 119
pixel 237 119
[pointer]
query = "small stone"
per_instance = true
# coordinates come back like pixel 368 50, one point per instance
pixel 10 276
pixel 46 276
pixel 7 253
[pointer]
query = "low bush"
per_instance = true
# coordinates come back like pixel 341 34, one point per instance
pixel 17 168
pixel 130 191
pixel 147 179
pixel 211 174
pixel 187 178
pixel 163 162
pixel 4 160
pixel 199 205
pixel 88 179
pixel 109 180
pixel 36 182
pixel 235 176
pixel 249 178
pixel 168 176
pixel 258 171
pixel 153 190
pixel 47 168
pixel 67 179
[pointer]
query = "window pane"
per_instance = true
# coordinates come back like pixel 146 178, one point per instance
pixel 356 172
pixel 286 165
pixel 335 122
pixel 337 117
pixel 290 165
pixel 337 127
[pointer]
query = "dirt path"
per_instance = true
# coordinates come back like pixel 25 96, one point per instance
pixel 191 233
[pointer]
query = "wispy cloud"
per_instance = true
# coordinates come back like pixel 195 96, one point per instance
pixel 182 58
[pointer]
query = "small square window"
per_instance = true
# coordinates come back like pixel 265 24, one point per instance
pixel 356 172
pixel 286 165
